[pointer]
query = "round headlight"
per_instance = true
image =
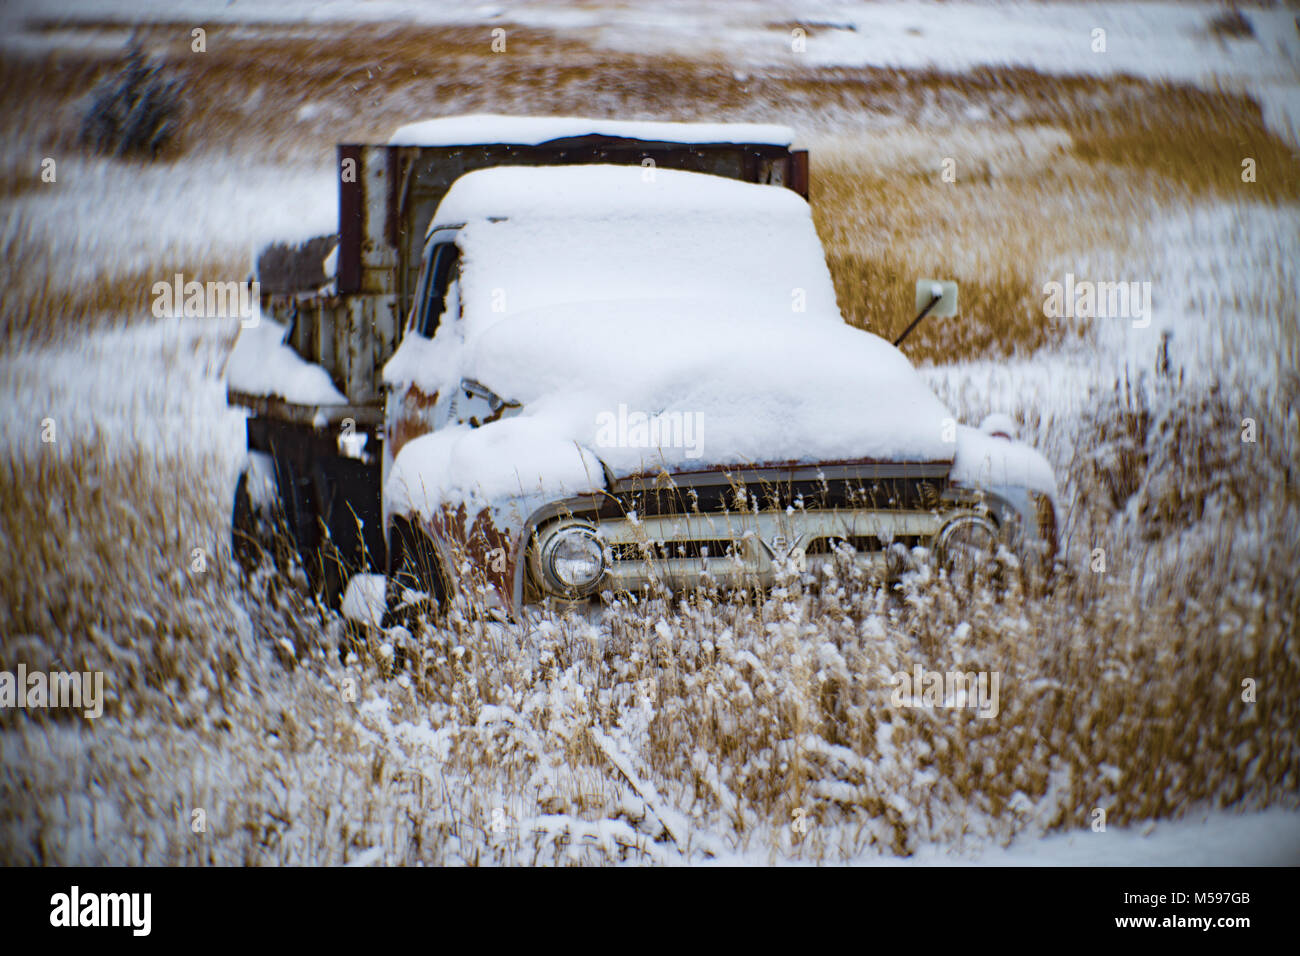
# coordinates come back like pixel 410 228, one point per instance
pixel 574 560
pixel 966 544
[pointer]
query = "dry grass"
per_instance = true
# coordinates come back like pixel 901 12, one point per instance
pixel 1119 691
pixel 1026 198
pixel 45 302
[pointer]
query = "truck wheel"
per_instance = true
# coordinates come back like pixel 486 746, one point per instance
pixel 329 577
pixel 967 546
pixel 248 541
pixel 413 567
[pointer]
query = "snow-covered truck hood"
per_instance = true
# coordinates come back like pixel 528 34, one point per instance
pixel 747 390
pixel 640 387
pixel 647 320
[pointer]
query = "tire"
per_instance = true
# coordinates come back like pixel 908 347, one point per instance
pixel 248 540
pixel 413 565
pixel 967 551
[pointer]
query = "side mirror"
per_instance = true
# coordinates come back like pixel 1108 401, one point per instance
pixel 475 404
pixel 936 297
pixel 928 290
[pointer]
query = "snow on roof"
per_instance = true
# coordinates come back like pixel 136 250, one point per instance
pixel 539 237
pixel 607 192
pixel 482 128
pixel 261 364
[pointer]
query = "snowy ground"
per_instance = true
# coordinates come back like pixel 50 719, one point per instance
pixel 1222 271
pixel 1270 838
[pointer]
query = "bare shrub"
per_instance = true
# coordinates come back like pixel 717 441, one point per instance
pixel 134 113
pixel 1231 23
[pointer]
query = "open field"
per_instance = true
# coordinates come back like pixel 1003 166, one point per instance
pixel 659 733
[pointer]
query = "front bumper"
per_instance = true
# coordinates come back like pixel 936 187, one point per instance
pixel 684 532
pixel 751 550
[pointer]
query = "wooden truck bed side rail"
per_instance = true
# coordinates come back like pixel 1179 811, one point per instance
pixel 314 416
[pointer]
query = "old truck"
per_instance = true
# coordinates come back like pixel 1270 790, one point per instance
pixel 554 359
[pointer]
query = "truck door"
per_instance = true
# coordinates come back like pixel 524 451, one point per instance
pixel 411 408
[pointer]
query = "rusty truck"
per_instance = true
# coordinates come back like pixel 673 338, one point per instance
pixel 564 358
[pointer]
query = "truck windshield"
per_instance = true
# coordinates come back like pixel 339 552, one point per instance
pixel 442 270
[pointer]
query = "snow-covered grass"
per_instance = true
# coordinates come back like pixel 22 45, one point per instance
pixel 1100 200
pixel 653 733
pixel 93 243
pixel 706 729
